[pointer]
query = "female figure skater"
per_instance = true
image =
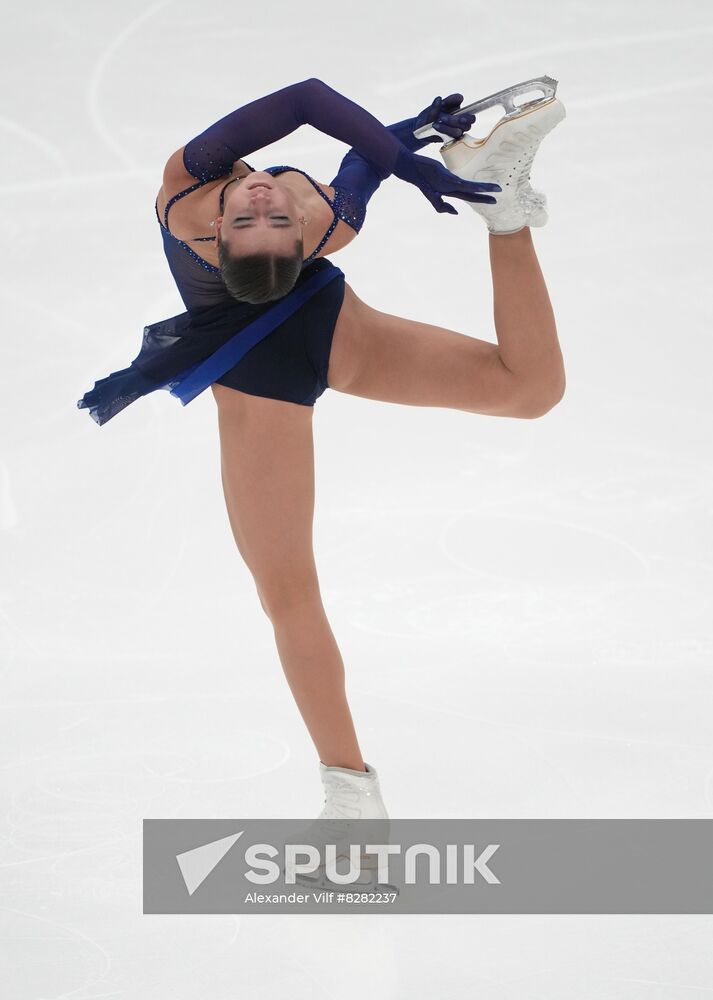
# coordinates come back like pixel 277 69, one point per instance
pixel 270 323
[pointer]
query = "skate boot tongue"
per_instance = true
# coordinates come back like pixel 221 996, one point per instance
pixel 353 807
pixel 349 794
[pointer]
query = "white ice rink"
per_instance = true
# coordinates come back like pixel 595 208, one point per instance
pixel 523 607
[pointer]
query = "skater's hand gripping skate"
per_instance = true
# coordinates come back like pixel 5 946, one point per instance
pixel 442 114
pixel 435 180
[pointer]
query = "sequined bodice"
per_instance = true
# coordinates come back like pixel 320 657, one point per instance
pixel 196 291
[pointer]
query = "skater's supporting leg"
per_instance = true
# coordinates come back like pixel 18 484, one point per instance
pixel 267 466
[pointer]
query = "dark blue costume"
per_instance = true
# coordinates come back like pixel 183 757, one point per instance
pixel 220 339
pixel 201 284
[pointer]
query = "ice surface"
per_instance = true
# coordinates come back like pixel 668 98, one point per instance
pixel 523 607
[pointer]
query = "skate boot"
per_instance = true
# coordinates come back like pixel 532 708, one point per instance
pixel 350 796
pixel 506 153
pixel 505 156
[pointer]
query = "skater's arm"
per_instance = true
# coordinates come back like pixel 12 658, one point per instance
pixel 309 102
pixel 358 176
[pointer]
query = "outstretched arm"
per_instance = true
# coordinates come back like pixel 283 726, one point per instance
pixel 309 102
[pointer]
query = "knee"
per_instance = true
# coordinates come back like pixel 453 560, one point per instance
pixel 540 401
pixel 544 406
pixel 284 598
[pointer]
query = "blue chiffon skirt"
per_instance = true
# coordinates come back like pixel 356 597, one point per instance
pixel 187 353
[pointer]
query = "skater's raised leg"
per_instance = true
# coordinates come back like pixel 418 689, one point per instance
pixel 528 345
pixel 398 360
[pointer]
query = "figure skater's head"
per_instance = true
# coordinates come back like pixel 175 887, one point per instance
pixel 259 239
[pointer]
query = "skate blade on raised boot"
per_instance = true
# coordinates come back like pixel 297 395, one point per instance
pixel 502 99
pixel 461 156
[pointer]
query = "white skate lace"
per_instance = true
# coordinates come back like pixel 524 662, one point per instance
pixel 341 808
pixel 533 200
pixel 535 197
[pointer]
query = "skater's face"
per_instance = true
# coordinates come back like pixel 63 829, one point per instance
pixel 259 216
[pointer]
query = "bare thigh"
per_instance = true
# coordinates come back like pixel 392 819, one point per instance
pixel 377 355
pixel 267 469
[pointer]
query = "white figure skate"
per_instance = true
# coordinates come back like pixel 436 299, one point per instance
pixel 349 795
pixel 505 155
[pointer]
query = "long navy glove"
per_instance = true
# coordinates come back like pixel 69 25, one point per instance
pixel 442 114
pixel 362 180
pixel 433 179
pixel 259 123
pixel 312 102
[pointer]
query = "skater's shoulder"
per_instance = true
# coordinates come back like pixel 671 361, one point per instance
pixel 176 177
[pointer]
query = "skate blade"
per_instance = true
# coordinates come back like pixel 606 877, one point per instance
pixel 368 864
pixel 367 882
pixel 526 109
pixel 504 99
